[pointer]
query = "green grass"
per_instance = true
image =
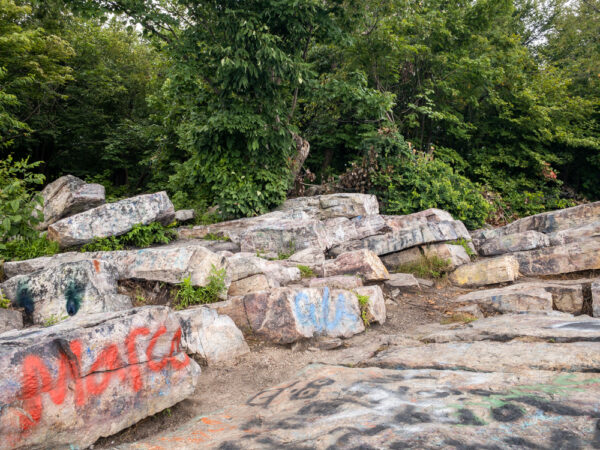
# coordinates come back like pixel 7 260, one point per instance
pixel 306 272
pixel 432 267
pixel 363 302
pixel 4 302
pixel 140 236
pixel 188 295
pixel 458 318
pixel 27 248
pixel 53 320
pixel 216 237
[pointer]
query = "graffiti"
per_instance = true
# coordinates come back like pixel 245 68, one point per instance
pixel 74 297
pixel 60 377
pixel 24 298
pixel 310 317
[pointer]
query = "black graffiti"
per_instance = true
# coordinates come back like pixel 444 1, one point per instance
pixel 410 416
pixel 311 390
pixel 264 398
pixel 507 413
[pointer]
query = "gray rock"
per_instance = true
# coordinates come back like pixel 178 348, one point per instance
pixel 89 377
pixel 573 257
pixel 210 336
pixel 286 236
pixel 69 195
pixel 501 269
pixel 419 218
pixel 591 230
pixel 10 319
pixel 336 282
pixel 312 256
pixel 521 297
pixel 333 205
pixel 244 265
pixel 596 299
pixel 83 287
pixel 527 240
pixel 253 283
pixel 394 260
pixel 363 263
pixel 454 255
pixel 185 215
pixel 376 303
pixel 341 229
pixel 112 219
pixel 402 281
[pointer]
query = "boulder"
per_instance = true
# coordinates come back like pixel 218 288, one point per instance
pixel 402 281
pixel 419 218
pixel 210 336
pixel 56 293
pixel 330 206
pixel 375 308
pixel 185 215
pixel 244 265
pixel 69 195
pixel 253 283
pixel 112 219
pixel 287 315
pixel 591 230
pixel 341 229
pixel 483 272
pixel 89 377
pixel 336 282
pixel 285 236
pixel 10 319
pixel 527 240
pixel 394 260
pixel 454 255
pixel 596 299
pixel 363 263
pixel 521 297
pixel 573 257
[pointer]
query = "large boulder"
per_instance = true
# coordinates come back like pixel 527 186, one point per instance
pixel 341 229
pixel 527 240
pixel 363 263
pixel 590 230
pixel 67 196
pixel 573 257
pixel 285 236
pixel 521 297
pixel 10 319
pixel 210 336
pixel 56 293
pixel 70 384
pixel 502 269
pixel 334 205
pixel 244 265
pixel 112 219
pixel 596 299
pixel 454 255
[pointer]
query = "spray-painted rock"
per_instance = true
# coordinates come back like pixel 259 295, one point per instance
pixel 89 377
pixel 327 407
pixel 50 295
pixel 501 269
pixel 67 196
pixel 112 219
pixel 521 297
pixel 596 299
pixel 528 240
pixel 210 336
pixel 333 205
pixel 363 263
pixel 10 319
pixel 573 257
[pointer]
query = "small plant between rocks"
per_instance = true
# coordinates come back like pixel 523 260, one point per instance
pixel 363 302
pixel 465 244
pixel 4 302
pixel 187 295
pixel 216 237
pixel 140 236
pixel 427 267
pixel 306 272
pixel 53 320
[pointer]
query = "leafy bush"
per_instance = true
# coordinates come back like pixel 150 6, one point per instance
pixel 27 248
pixel 140 236
pixel 188 295
pixel 4 302
pixel 363 302
pixel 108 244
pixel 306 271
pixel 427 267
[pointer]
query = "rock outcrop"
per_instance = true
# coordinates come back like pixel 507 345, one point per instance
pixel 502 269
pixel 10 319
pixel 363 263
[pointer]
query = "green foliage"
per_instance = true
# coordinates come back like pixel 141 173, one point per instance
pixel 188 295
pixel 53 320
pixel 4 302
pixel 216 237
pixel 20 248
pixel 140 236
pixel 306 271
pixel 427 267
pixel 465 244
pixel 108 244
pixel 363 302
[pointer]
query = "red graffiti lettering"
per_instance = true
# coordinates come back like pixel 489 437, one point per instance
pixel 175 348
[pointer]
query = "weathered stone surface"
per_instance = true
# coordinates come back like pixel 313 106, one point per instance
pixel 376 306
pixel 501 269
pixel 333 205
pixel 402 281
pixel 284 236
pixel 339 407
pixel 410 256
pixel 210 336
pixel 83 287
pixel 516 298
pixel 112 219
pixel 492 357
pixel 287 315
pixel 311 256
pixel 418 218
pixel 337 282
pixel 401 239
pixel 10 319
pixel 573 257
pixel 185 215
pixel 69 195
pixel 455 255
pixel 244 265
pixel 89 377
pixel 591 230
pixel 254 283
pixel 554 327
pixel 341 229
pixel 527 240
pixel 596 299
pixel 363 263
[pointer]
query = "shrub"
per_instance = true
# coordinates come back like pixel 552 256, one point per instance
pixel 427 267
pixel 363 302
pixel 306 271
pixel 188 295
pixel 108 244
pixel 140 236
pixel 27 248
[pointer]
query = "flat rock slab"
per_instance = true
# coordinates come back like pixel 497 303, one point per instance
pixel 334 205
pixel 112 219
pixel 581 233
pixel 57 293
pixel 10 319
pixel 454 255
pixel 528 240
pixel 484 356
pixel 72 383
pixel 336 282
pixel 502 269
pixel 362 263
pixel 573 257
pixel 544 327
pixel 285 236
pixel 418 218
pixel 244 265
pixel 328 407
pixel 402 281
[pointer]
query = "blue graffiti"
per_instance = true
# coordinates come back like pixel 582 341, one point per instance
pixel 307 313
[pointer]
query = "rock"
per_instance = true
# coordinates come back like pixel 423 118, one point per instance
pixel 591 230
pixel 328 343
pixel 92 376
pixel 471 310
pixel 83 287
pixel 401 239
pixel 596 299
pixel 418 218
pixel 234 308
pixel 254 283
pixel 244 265
pixel 285 236
pixel 185 215
pixel 210 336
pixel 493 357
pixel 520 297
pixel 341 229
pixel 527 240
pixel 394 260
pixel 329 406
pixel 376 303
pixel 10 319
pixel 402 281
pixel 363 263
pixel 112 219
pixel 501 269
pixel 425 282
pixel 337 282
pixel 312 256
pixel 573 257
pixel 287 315
pixel 330 206
pixel 69 195
pixel 454 255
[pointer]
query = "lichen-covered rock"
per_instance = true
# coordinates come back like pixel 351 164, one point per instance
pixel 10 319
pixel 185 215
pixel 501 269
pixel 285 236
pixel 69 195
pixel 89 377
pixel 334 205
pixel 517 298
pixel 244 265
pixel 210 336
pixel 253 283
pixel 527 240
pixel 363 263
pixel 590 230
pixel 56 293
pixel 112 219
pixel 573 257
pixel 342 229
pixel 336 282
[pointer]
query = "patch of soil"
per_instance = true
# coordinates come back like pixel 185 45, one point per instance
pixel 144 292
